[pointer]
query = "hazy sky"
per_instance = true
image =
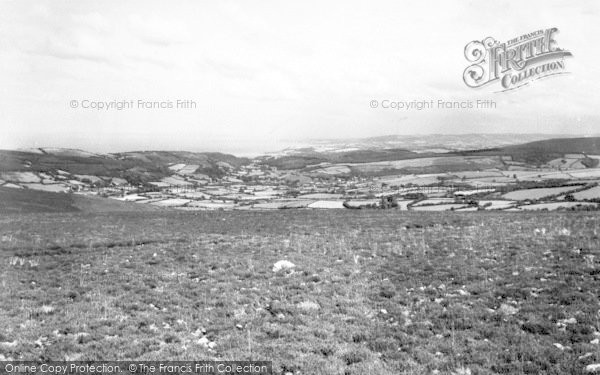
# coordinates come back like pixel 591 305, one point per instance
pixel 266 72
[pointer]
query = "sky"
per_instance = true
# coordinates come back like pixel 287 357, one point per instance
pixel 264 74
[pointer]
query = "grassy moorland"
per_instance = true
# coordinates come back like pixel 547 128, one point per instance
pixel 372 292
pixel 26 201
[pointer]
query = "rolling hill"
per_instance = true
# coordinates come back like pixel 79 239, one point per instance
pixel 135 167
pixel 35 201
pixel 535 154
pixel 540 152
pixel 309 157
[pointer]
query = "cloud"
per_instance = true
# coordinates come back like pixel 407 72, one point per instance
pixel 159 31
pixel 71 54
pixel 295 70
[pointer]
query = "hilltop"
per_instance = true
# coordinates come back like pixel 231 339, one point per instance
pixel 371 292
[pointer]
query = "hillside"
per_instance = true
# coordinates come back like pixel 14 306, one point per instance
pixel 534 154
pixel 418 143
pixel 209 163
pixel 541 152
pixel 307 158
pixel 135 167
pixel 35 201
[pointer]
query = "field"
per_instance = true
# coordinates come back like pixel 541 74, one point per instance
pixel 538 193
pixel 430 165
pixel 556 205
pixel 439 207
pixel 592 193
pixel 372 292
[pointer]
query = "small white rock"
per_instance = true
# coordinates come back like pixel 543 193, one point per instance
pixel 40 342
pixel 462 371
pixel 508 309
pixel 568 321
pixel 586 355
pixel 308 305
pixel 283 265
pixel 9 344
pixel 593 368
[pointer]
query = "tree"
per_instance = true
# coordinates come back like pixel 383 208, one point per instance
pixel 388 202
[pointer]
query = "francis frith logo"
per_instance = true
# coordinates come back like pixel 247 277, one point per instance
pixel 514 63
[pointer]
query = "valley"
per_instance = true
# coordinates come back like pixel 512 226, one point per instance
pixel 552 174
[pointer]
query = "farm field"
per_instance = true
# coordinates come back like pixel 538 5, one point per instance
pixel 539 193
pixel 592 193
pixel 496 204
pixel 557 205
pixel 371 292
pixel 439 207
pixel 460 162
pixel 591 173
pixel 433 201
